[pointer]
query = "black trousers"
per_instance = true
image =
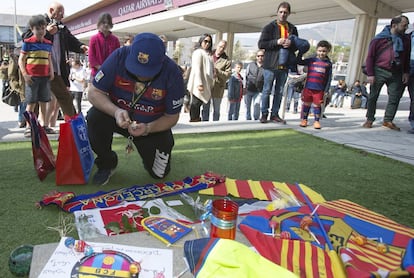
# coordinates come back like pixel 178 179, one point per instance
pixel 154 149
pixel 195 106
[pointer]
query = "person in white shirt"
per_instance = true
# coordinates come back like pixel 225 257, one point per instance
pixel 77 78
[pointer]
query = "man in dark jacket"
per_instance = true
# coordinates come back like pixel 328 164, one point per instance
pixel 388 63
pixel 275 36
pixel 254 86
pixel 63 42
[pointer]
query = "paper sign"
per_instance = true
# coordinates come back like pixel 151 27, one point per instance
pixel 64 261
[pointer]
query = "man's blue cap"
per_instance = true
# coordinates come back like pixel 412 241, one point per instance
pixel 146 55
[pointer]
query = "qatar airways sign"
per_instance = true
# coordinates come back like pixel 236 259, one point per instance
pixel 122 11
pixel 139 5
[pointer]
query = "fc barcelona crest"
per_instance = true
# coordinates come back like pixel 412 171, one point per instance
pixel 156 94
pixel 143 58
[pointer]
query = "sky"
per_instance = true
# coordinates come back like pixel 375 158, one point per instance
pixel 31 7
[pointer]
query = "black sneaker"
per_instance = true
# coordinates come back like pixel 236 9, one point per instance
pixel 102 176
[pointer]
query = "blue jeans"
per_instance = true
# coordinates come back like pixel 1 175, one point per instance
pixel 249 98
pixel 363 101
pixel 205 113
pixel 22 108
pixel 292 94
pixel 234 109
pixel 338 99
pixel 279 76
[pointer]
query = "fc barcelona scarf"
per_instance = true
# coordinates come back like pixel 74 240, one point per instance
pixel 69 202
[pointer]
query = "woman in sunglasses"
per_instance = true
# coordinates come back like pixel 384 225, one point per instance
pixel 201 76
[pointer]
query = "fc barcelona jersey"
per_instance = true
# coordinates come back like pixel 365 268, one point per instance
pixel 146 102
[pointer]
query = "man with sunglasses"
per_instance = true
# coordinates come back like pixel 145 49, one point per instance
pixel 254 85
pixel 138 92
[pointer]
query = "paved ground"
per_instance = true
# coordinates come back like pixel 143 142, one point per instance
pixel 343 126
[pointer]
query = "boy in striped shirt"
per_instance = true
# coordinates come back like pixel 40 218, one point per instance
pixel 35 63
pixel 318 81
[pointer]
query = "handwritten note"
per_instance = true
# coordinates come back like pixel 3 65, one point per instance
pixel 155 262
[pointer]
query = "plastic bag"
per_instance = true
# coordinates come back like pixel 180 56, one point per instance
pixel 75 158
pixel 43 157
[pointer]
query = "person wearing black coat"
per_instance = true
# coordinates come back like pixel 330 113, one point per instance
pixel 63 43
pixel 274 37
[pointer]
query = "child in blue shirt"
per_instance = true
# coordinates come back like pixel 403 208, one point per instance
pixel 235 92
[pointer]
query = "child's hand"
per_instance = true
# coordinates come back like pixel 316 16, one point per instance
pixel 28 79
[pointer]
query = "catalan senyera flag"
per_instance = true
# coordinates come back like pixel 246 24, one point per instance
pixel 301 257
pixel 250 189
pixel 387 252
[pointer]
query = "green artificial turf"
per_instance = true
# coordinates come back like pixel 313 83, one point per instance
pixel 335 171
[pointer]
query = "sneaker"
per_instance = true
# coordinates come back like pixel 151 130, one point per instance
pixel 390 125
pixel 28 132
pixel 367 124
pixel 22 124
pixel 410 131
pixel 263 119
pixel 102 176
pixel 304 123
pixel 49 130
pixel 277 119
pixel 317 125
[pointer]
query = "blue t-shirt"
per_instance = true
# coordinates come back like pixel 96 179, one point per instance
pixel 163 95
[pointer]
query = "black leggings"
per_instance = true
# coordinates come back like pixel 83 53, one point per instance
pixel 154 149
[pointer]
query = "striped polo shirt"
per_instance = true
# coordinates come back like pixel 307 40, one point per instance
pixel 38 52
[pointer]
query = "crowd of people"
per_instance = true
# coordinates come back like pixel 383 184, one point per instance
pixel 129 89
pixel 277 64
